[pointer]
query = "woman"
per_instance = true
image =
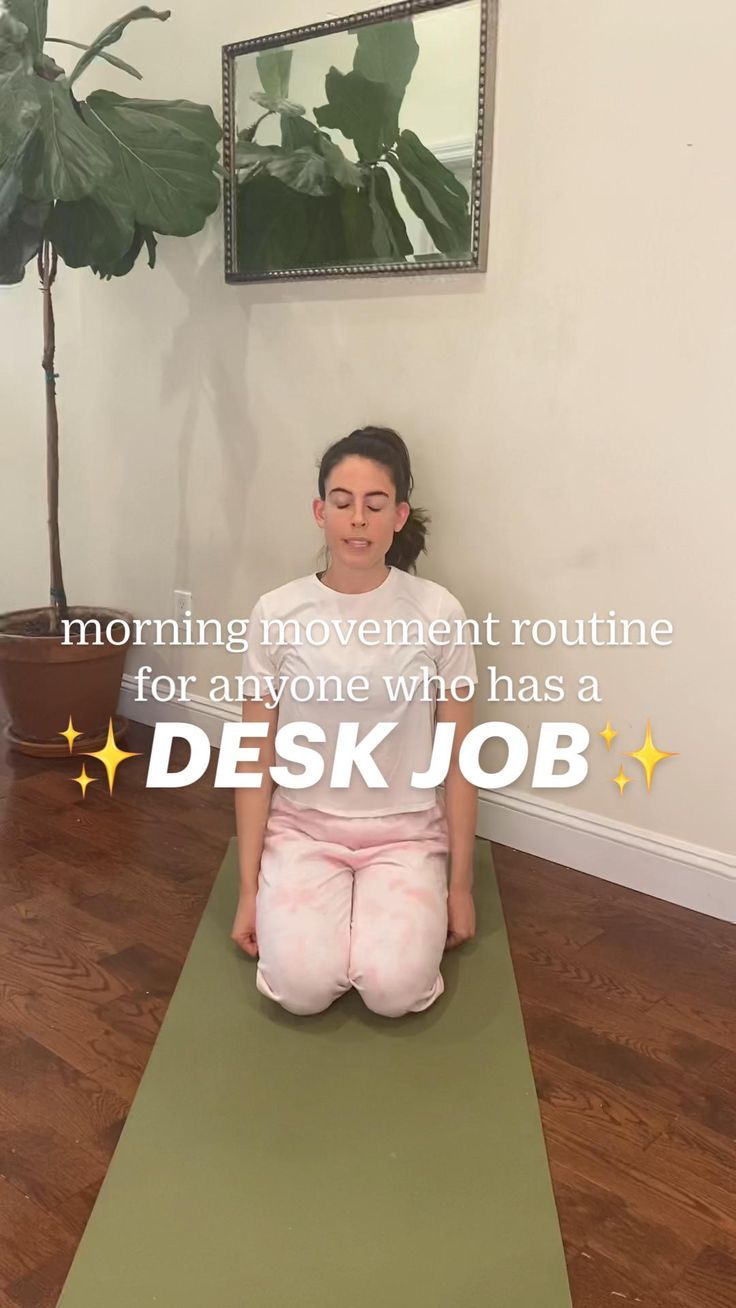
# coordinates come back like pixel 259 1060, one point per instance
pixel 347 883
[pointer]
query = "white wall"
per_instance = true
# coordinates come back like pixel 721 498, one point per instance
pixel 570 413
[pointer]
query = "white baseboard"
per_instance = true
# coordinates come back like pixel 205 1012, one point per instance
pixel 690 875
pixel 680 873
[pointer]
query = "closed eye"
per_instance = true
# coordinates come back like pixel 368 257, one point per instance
pixel 370 507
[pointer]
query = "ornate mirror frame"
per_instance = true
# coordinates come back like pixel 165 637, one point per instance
pixel 481 174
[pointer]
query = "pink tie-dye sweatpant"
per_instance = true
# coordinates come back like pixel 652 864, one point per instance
pixel 352 901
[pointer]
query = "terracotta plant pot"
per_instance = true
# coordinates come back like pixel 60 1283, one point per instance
pixel 45 682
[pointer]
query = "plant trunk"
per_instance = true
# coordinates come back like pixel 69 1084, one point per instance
pixel 47 261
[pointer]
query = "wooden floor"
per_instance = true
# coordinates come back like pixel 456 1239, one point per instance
pixel 628 1004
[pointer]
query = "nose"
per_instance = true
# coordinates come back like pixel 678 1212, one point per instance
pixel 359 516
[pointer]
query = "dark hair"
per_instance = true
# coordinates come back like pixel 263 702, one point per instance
pixel 384 445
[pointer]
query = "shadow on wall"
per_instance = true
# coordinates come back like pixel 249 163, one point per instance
pixel 206 365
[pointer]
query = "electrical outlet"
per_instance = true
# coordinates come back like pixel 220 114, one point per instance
pixel 182 605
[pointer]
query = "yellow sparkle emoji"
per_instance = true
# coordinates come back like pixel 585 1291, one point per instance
pixel 621 780
pixel 111 756
pixel 82 780
pixel 649 756
pixel 70 734
pixel 608 734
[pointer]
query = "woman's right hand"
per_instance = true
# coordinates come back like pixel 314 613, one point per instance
pixel 244 926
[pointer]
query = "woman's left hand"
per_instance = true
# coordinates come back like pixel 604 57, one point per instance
pixel 460 917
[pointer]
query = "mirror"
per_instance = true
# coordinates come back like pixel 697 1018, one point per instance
pixel 361 145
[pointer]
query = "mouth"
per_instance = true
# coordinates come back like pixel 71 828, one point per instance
pixel 357 543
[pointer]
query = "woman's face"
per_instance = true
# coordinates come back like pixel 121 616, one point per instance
pixel 359 514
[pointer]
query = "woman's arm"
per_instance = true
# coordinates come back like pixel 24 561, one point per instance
pixel 462 805
pixel 252 806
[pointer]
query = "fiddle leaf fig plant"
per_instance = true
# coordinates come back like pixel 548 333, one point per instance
pixel 91 181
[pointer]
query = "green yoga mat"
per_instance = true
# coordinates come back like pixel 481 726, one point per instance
pixel 336 1160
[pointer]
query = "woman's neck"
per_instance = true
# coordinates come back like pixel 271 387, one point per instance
pixel 352 582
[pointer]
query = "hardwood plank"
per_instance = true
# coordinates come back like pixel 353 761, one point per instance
pixel 590 1105
pixel 596 1280
pixel 653 1248
pixel 30 1235
pixel 700 1016
pixel 656 952
pixel 708 1282
pixel 51 1091
pixel 673 1085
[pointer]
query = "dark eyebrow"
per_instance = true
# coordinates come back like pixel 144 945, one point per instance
pixel 345 491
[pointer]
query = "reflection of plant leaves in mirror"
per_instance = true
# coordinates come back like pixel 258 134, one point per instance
pixel 358 225
pixel 366 112
pixel 274 70
pixel 305 204
pixel 251 157
pixel 342 169
pixel 280 228
pixel 316 170
pixel 276 104
pixel 387 52
pixel 390 238
pixel 296 132
pixel 434 193
pixel 303 169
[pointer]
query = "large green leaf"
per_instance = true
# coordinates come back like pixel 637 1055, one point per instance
pixel 163 153
pixel 342 169
pixel 101 54
pixel 33 13
pixel 390 237
pixel 434 193
pixel 9 193
pixel 112 34
pixel 89 232
pixel 186 117
pixel 274 70
pixel 143 236
pixel 47 67
pixel 64 159
pixel 304 169
pixel 20 110
pixel 365 112
pixel 20 240
pixel 357 221
pixel 279 228
pixel 14 44
pixel 387 52
pixel 296 132
pixel 250 155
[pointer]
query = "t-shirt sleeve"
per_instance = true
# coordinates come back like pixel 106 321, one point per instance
pixel 260 658
pixel 456 658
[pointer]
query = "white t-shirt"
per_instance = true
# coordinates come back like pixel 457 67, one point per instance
pixel 408 748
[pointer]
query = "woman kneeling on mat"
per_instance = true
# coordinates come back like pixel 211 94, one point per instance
pixel 362 886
